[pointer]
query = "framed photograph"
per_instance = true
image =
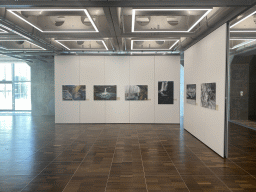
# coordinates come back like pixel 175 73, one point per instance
pixel 104 92
pixel 208 95
pixel 73 92
pixel 165 92
pixel 136 92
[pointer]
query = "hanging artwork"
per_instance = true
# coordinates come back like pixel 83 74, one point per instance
pixel 165 92
pixel 136 92
pixel 208 95
pixel 73 92
pixel 191 94
pixel 104 92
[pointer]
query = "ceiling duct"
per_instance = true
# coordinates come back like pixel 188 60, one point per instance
pixel 19 42
pixel 143 20
pixel 172 20
pixel 80 42
pixel 160 42
pixel 58 20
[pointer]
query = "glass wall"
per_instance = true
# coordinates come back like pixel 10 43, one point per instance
pixel 15 86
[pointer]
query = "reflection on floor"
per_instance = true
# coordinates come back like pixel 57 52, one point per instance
pixel 245 123
pixel 37 155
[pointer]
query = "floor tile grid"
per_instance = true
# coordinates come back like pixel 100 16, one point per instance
pixel 211 171
pixel 45 168
pixel 254 176
pixel 112 160
pixel 142 161
pixel 83 159
pixel 171 160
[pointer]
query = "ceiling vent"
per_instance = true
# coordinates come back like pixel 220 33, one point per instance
pixel 173 21
pixel 143 20
pixel 160 42
pixel 254 19
pixel 19 42
pixel 80 42
pixel 58 20
pixel 138 42
pixel 99 42
pixel 86 21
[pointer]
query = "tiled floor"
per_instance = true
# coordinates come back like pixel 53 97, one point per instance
pixel 37 155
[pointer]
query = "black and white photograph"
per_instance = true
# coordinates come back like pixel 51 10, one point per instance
pixel 208 95
pixel 104 92
pixel 191 94
pixel 73 92
pixel 136 92
pixel 165 92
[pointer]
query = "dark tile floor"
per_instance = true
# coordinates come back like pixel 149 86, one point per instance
pixel 39 155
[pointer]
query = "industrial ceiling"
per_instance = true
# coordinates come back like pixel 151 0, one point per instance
pixel 38 30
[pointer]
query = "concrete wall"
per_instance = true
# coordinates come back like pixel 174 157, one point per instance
pixel 239 82
pixel 42 89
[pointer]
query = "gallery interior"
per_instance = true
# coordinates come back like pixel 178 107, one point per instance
pixel 118 96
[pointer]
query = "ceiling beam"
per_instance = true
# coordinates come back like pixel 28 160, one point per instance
pixel 128 3
pixel 112 28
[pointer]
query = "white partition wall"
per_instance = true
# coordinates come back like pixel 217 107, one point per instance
pixel 205 62
pixel 119 71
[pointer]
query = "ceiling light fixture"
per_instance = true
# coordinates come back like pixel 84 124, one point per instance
pixel 85 11
pixel 176 41
pixel 200 19
pixel 9 29
pixel 3 31
pixel 41 48
pixel 242 20
pixel 58 41
pixel 241 44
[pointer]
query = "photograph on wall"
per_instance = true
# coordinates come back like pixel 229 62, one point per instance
pixel 136 92
pixel 104 92
pixel 208 95
pixel 191 94
pixel 165 92
pixel 73 92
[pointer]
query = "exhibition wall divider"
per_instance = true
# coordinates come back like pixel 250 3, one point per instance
pixel 205 74
pixel 117 89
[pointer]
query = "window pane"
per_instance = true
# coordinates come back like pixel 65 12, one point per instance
pixel 23 96
pixel 22 72
pixel 5 72
pixel 5 96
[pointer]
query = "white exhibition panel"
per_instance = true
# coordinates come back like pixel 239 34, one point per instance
pixel 205 62
pixel 142 73
pixel 92 72
pixel 66 73
pixel 117 73
pixel 166 69
pixel 120 71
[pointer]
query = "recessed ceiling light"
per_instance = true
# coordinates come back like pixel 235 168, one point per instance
pixel 13 11
pixel 80 40
pixel 133 41
pixel 200 19
pixel 242 20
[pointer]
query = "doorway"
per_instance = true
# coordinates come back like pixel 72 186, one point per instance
pixel 15 87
